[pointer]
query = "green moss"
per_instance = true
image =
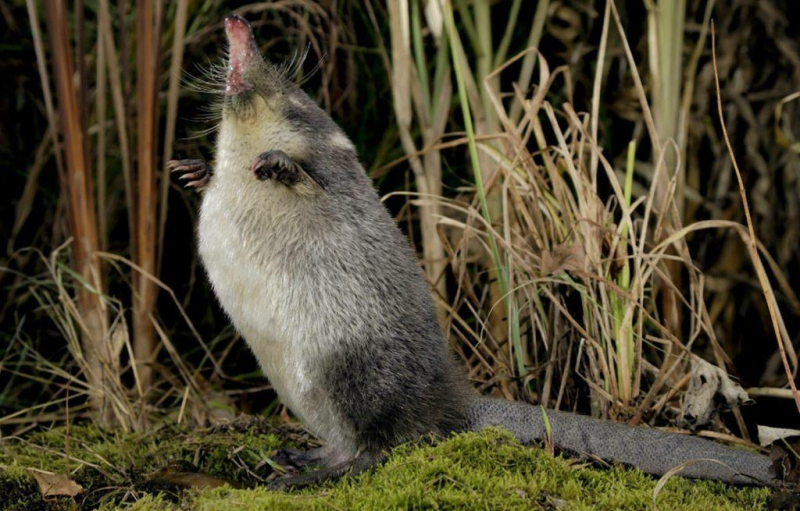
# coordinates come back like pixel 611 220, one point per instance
pixel 489 471
pixel 116 452
pixel 115 461
pixel 146 503
pixel 470 471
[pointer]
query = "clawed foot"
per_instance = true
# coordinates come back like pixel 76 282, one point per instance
pixel 298 459
pixel 297 481
pixel 290 458
pixel 197 173
pixel 278 166
pixel 350 467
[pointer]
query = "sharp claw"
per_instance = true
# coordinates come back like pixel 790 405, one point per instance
pixel 197 184
pixel 192 176
pixel 186 165
pixel 195 173
pixel 184 168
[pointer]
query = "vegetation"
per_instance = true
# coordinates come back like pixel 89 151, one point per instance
pixel 479 471
pixel 586 222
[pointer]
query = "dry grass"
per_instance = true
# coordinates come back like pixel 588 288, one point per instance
pixel 583 274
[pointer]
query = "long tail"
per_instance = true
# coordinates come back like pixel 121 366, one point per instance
pixel 652 451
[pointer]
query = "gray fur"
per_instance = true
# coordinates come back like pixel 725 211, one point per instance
pixel 329 295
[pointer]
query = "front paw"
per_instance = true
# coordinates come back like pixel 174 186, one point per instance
pixel 277 166
pixel 197 173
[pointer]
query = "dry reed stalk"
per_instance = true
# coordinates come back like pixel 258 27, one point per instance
pixel 486 123
pixel 146 219
pixel 81 210
pixel 120 112
pixel 665 43
pixel 529 61
pixel 409 87
pixel 127 95
pixel 100 112
pixel 82 85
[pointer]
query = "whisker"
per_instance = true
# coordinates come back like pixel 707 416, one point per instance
pixel 290 68
pixel 313 70
pixel 202 133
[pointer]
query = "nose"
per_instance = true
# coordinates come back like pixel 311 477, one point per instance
pixel 242 52
pixel 232 19
pixel 239 34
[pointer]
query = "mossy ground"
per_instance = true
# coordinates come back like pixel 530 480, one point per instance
pixel 489 470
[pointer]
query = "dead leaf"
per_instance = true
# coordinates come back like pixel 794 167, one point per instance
pixel 768 435
pixel 564 257
pixel 55 485
pixel 709 389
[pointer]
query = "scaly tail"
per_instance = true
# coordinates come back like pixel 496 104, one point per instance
pixel 652 451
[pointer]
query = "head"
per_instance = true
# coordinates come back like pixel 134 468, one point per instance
pixel 264 109
pixel 253 84
pixel 261 101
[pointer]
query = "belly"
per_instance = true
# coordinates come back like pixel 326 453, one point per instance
pixel 249 288
pixel 267 305
pixel 244 290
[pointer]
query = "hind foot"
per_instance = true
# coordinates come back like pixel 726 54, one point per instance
pixel 349 468
pixel 323 456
